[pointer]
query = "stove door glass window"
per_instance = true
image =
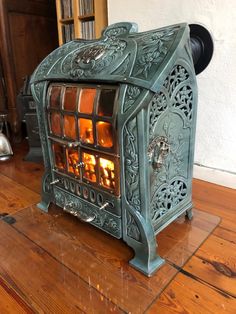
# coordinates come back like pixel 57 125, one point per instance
pixel 86 100
pixel 72 157
pixel 104 134
pixel 59 156
pixel 55 123
pixel 70 98
pixel 107 173
pixel 89 170
pixel 86 131
pixel 82 121
pixel 70 127
pixel 106 102
pixel 55 97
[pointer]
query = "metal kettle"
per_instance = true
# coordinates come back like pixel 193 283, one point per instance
pixel 5 146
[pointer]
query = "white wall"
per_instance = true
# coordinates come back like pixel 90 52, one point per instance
pixel 216 124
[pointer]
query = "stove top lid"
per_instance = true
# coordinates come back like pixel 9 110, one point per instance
pixel 121 55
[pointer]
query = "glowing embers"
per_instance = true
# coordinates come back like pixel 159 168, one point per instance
pixel 72 157
pixel 55 122
pixel 86 100
pixel 70 127
pixel 55 97
pixel 86 131
pixel 59 157
pixel 107 173
pixel 70 98
pixel 89 171
pixel 104 134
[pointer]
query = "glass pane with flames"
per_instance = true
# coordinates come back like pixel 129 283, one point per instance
pixel 106 102
pixel 89 170
pixel 59 159
pixel 86 100
pixel 70 127
pixel 104 134
pixel 86 131
pixel 72 156
pixel 107 173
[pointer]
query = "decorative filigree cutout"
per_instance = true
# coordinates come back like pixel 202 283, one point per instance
pixel 178 75
pixel 184 101
pixel 132 165
pixel 166 198
pixel 157 105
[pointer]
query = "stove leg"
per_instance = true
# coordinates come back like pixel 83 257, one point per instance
pixel 189 214
pixel 46 195
pixel 146 260
pixel 139 235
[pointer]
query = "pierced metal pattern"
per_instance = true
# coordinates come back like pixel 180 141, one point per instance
pixel 178 75
pixel 184 101
pixel 157 106
pixel 167 197
pixel 170 117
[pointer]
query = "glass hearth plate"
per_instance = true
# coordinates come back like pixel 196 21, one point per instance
pixel 68 264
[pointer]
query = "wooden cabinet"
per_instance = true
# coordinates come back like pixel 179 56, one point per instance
pixel 80 19
pixel 28 33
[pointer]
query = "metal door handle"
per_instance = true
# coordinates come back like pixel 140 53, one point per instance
pixel 69 208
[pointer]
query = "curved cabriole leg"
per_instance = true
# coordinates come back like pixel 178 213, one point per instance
pixel 46 195
pixel 141 238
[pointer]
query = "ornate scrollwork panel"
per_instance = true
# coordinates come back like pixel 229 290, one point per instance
pixel 132 228
pixel 131 165
pixel 131 95
pixel 152 49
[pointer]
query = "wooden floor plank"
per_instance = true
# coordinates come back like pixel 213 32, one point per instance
pixel 14 196
pixel 215 263
pixel 189 296
pixel 23 172
pixel 47 285
pixel 10 302
pixel 216 195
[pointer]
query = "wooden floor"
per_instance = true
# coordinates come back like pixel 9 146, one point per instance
pixel 52 263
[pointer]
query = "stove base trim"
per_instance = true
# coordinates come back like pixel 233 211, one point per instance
pixel 146 258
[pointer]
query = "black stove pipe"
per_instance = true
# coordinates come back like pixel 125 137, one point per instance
pixel 201 43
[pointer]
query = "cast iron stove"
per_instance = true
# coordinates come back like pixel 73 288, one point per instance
pixel 117 123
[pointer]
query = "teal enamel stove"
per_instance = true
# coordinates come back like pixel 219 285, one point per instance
pixel 117 121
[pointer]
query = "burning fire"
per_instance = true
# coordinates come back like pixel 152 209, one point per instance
pixel 72 161
pixel 107 174
pixel 58 156
pixel 86 131
pixel 104 134
pixel 89 167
